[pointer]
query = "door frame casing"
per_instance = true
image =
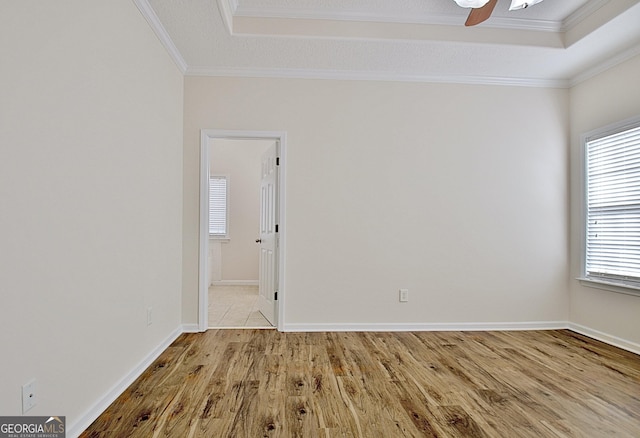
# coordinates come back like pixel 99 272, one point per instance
pixel 206 136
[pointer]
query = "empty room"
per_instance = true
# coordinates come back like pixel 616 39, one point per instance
pixel 444 226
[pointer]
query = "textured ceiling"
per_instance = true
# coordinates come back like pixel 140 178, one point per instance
pixel 549 44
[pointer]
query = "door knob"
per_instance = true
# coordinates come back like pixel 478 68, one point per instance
pixel 258 240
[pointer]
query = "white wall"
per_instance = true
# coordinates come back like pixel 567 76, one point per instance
pixel 240 161
pixel 611 97
pixel 90 188
pixel 458 193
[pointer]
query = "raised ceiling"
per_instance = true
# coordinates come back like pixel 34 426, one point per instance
pixel 553 43
pixel 403 11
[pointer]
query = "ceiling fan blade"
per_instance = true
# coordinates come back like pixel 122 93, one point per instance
pixel 478 15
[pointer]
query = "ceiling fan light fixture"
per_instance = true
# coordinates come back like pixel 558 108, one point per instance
pixel 521 4
pixel 472 3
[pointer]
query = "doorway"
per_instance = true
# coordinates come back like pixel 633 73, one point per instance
pixel 233 290
pixel 235 172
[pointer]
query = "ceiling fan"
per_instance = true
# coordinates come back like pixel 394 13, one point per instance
pixel 482 9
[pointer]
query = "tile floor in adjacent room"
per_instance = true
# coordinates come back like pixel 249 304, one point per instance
pixel 234 307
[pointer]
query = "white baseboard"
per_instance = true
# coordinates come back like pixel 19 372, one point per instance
pixel 103 403
pixel 422 327
pixel 606 338
pixel 191 328
pixel 465 326
pixel 235 283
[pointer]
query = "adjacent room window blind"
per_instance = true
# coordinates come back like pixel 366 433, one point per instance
pixel 218 206
pixel 613 206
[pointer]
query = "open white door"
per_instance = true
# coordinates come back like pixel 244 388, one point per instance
pixel 268 240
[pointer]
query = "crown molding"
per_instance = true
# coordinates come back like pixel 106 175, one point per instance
pixel 148 13
pixel 606 65
pixel 227 8
pixel 522 24
pixel 447 20
pixel 496 22
pixel 321 14
pixel 374 76
pixel 581 13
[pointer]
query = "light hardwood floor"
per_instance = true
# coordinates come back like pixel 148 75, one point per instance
pixel 264 383
pixel 235 307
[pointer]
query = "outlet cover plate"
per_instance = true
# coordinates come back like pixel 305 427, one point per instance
pixel 28 395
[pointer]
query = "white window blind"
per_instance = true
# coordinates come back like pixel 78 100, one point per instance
pixel 218 205
pixel 613 206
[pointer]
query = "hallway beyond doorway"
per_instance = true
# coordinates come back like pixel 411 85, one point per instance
pixel 232 306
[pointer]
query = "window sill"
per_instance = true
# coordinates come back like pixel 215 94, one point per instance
pixel 220 239
pixel 619 287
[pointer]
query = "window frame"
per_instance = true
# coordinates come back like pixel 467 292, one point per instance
pixel 619 285
pixel 225 235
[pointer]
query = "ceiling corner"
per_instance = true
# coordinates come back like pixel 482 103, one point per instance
pixel 227 9
pixel 149 14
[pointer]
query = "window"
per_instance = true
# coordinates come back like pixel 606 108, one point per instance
pixel 612 235
pixel 218 226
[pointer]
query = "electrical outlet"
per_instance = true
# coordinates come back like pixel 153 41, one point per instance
pixel 149 319
pixel 404 295
pixel 28 395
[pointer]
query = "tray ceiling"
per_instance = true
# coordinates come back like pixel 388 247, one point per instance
pixel 407 11
pixel 554 43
